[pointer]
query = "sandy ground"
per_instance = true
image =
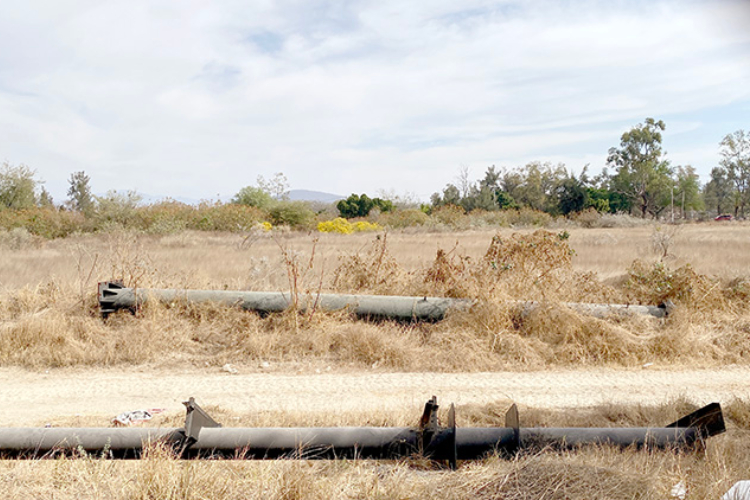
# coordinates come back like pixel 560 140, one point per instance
pixel 32 398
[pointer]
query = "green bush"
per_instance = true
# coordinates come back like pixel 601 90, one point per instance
pixel 253 197
pixel 295 214
pixel 226 217
pixel 116 210
pixel 398 219
pixel 450 215
pixel 165 217
pixel 529 217
pixel 46 222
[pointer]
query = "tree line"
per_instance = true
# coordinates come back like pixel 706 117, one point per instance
pixel 637 179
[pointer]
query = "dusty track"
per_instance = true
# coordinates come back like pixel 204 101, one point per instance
pixel 31 398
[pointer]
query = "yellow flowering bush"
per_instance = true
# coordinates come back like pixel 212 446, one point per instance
pixel 343 226
pixel 363 225
pixel 337 225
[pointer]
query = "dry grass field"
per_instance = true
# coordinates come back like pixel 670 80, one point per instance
pixel 48 311
pixel 49 320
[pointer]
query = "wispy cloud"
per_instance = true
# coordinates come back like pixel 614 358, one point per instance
pixel 197 98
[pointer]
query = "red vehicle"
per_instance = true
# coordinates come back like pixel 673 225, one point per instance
pixel 724 217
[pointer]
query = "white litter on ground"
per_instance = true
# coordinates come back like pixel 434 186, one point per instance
pixel 740 491
pixel 135 417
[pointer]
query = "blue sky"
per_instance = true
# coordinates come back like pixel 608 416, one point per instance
pixel 197 98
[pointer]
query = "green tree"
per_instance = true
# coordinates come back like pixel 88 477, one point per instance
pixel 735 158
pixel 505 201
pixel 572 195
pixel 291 213
pixel 116 208
pixel 687 190
pixel 18 187
pixel 360 206
pixel 253 197
pixel 598 199
pixel 719 191
pixel 451 196
pixel 79 193
pixel 45 199
pixel 643 175
pixel 538 182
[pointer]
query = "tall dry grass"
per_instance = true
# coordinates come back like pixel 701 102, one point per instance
pixel 48 313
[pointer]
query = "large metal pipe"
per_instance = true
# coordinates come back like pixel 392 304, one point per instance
pixel 113 296
pixel 203 437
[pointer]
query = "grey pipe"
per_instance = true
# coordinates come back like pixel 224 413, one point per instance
pixel 113 296
pixel 327 443
pixel 203 437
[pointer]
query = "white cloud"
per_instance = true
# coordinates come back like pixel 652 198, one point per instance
pixel 198 98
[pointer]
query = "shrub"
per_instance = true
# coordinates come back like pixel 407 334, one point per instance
pixel 295 214
pixel 656 283
pixel 360 206
pixel 398 219
pixel 343 226
pixel 337 225
pixel 45 222
pixel 449 215
pixel 484 218
pixel 17 187
pixel 226 217
pixel 363 226
pixel 529 217
pixel 253 197
pixel 165 217
pixel 116 209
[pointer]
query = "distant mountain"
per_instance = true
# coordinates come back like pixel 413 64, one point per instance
pixel 294 194
pixel 305 195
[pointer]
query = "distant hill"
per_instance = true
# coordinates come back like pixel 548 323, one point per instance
pixel 305 195
pixel 294 194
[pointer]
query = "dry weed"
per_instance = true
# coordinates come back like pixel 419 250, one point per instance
pixel 375 271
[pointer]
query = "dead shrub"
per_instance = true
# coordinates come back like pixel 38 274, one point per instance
pixel 450 275
pixel 574 338
pixel 656 284
pixel 375 271
pixel 530 266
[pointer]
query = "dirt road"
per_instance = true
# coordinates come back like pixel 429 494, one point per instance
pixel 31 398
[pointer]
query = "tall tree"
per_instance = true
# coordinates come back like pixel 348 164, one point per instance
pixel 572 195
pixel 538 184
pixel 79 193
pixel 687 190
pixel 361 205
pixel 642 174
pixel 735 158
pixel 253 197
pixel 718 192
pixel 17 187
